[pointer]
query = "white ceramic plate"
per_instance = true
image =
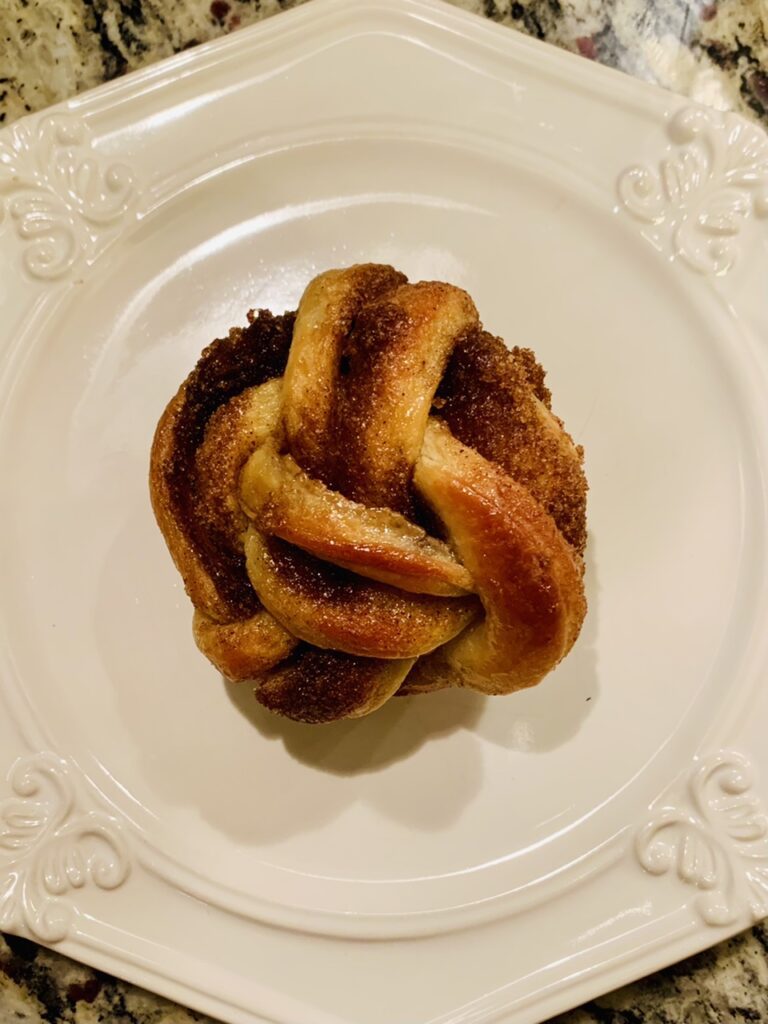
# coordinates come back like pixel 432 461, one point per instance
pixel 502 859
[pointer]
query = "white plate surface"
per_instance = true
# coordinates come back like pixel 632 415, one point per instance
pixel 504 858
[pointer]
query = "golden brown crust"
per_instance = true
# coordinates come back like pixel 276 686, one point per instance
pixel 526 574
pixel 188 560
pixel 213 571
pixel 494 400
pixel 327 312
pixel 373 542
pixel 412 512
pixel 367 356
pixel 243 649
pixel 395 357
pixel 232 434
pixel 330 607
pixel 317 686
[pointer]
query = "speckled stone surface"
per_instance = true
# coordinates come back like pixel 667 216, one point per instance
pixel 725 985
pixel 715 52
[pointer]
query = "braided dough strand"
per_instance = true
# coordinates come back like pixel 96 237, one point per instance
pixel 383 503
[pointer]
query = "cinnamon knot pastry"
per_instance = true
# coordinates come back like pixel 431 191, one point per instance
pixel 371 496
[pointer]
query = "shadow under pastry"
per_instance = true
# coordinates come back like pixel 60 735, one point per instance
pixel 541 718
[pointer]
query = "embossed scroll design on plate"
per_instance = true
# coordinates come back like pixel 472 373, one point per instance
pixel 50 847
pixel 715 839
pixel 58 196
pixel 698 200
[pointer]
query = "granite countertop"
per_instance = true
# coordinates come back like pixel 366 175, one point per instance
pixel 715 52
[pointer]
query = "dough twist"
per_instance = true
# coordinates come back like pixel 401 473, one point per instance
pixel 372 496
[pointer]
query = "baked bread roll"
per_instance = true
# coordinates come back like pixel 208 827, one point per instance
pixel 371 497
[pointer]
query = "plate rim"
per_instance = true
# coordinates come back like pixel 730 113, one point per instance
pixel 100 100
